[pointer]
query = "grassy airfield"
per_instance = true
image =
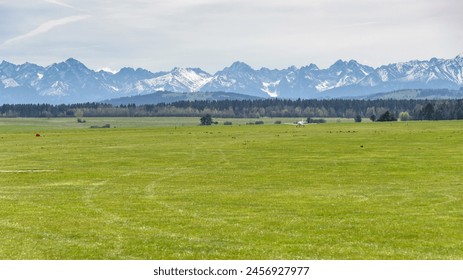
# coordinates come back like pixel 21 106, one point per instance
pixel 165 188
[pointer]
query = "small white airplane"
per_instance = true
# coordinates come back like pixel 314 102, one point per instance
pixel 299 123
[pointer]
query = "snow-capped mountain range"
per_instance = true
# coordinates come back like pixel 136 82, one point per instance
pixel 72 82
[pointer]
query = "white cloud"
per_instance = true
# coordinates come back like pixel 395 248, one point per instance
pixel 59 3
pixel 44 27
pixel 211 34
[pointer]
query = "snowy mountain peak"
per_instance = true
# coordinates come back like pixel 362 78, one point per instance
pixel 177 80
pixel 459 58
pixel 5 63
pixel 311 67
pixel 353 63
pixel 126 70
pixel 7 68
pixel 189 71
pixel 240 66
pixel 339 64
pixel 72 61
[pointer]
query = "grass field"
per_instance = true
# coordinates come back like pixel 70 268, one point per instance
pixel 165 188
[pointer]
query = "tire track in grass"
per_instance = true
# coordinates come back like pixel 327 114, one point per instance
pixel 447 199
pixel 27 170
pixel 196 218
pixel 221 154
pixel 107 217
pixel 39 228
pixel 58 240
pixel 112 219
pixel 152 195
pixel 150 188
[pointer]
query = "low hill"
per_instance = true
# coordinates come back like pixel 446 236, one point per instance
pixel 169 97
pixel 419 94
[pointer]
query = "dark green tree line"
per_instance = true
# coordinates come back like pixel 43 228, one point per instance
pixel 339 108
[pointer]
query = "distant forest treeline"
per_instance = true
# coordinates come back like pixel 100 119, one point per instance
pixel 339 108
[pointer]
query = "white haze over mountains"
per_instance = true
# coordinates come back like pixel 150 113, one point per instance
pixel 71 81
pixel 163 34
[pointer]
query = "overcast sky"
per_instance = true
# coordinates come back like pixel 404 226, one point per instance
pixel 212 34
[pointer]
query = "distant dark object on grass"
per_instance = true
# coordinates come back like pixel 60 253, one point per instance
pixel 256 122
pixel 38 135
pixel 312 120
pixel 387 117
pixel 227 123
pixel 103 126
pixel 206 120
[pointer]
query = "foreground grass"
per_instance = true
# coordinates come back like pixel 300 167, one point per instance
pixel 138 191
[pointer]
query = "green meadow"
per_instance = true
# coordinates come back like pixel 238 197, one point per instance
pixel 166 188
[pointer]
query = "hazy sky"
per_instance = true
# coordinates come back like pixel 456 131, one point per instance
pixel 212 34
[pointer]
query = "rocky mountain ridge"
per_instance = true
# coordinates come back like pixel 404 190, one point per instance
pixel 71 81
